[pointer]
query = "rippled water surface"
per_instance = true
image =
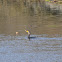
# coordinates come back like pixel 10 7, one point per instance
pixel 45 27
pixel 20 49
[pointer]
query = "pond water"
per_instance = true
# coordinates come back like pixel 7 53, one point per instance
pixel 47 28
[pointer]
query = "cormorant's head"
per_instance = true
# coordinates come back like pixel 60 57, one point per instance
pixel 27 32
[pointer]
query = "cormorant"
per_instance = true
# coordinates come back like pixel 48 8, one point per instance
pixel 29 34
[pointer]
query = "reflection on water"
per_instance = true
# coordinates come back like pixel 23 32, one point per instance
pixel 47 29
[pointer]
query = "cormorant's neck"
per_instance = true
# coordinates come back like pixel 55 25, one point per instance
pixel 29 35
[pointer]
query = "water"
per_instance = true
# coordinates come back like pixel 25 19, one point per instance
pixel 47 28
pixel 20 49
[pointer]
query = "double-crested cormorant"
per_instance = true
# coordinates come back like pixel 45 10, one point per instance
pixel 29 34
